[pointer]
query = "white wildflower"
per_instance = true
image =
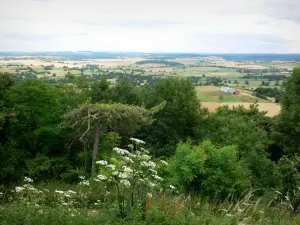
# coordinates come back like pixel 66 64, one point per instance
pixel 1 193
pixel 138 153
pixel 137 141
pixel 144 163
pixel 157 177
pixel 115 173
pixel 32 189
pixel 172 187
pixel 19 189
pixel 71 192
pixel 96 203
pixel 229 215
pixel 153 171
pixel 82 177
pixel 121 151
pixel 101 177
pixel 164 162
pixel 126 183
pixel 152 184
pixel 131 155
pixel 141 180
pixel 27 179
pixel 278 192
pixel 130 146
pixel 149 195
pixel 101 162
pixel 127 169
pixel 145 151
pixel 111 166
pixel 59 191
pixel 128 159
pixel 123 175
pixel 97 180
pixel 148 164
pixel 287 198
pixel 64 203
pixel 36 205
pixel 46 190
pixel 151 164
pixel 145 157
pixel 67 195
pixel 85 182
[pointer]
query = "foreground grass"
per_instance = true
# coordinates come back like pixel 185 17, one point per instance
pixel 173 210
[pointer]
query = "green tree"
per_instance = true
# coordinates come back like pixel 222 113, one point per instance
pixel 101 92
pixel 91 122
pixel 250 131
pixel 6 82
pixel 288 121
pixel 181 118
pixel 125 92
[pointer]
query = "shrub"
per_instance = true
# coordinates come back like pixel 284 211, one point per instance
pixel 207 170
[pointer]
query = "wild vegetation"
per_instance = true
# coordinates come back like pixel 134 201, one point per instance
pixel 92 152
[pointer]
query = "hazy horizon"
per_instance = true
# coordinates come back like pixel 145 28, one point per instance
pixel 200 27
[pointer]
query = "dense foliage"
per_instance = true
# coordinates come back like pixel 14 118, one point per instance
pixel 268 92
pixel 77 139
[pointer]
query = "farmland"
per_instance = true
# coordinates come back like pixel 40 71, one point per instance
pixel 204 71
pixel 211 97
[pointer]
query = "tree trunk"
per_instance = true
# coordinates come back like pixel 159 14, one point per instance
pixel 95 146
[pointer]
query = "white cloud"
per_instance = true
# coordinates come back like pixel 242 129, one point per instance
pixel 156 25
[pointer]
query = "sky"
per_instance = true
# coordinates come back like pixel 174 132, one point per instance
pixel 210 26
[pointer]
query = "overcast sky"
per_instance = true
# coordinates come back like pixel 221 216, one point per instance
pixel 224 26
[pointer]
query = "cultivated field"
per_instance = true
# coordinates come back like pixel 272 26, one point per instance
pixel 211 97
pixel 272 109
pixel 214 94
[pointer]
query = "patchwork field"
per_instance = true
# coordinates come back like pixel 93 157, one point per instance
pixel 211 97
pixel 214 94
pixel 202 69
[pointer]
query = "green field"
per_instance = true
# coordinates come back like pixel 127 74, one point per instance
pixel 208 71
pixel 213 94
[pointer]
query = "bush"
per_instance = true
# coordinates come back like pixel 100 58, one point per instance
pixel 207 170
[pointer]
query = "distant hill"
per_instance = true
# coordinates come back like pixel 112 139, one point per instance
pixel 162 62
pixel 80 55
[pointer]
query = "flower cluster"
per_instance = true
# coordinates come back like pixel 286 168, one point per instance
pixel 137 141
pixel 28 194
pixel 130 171
pixel 66 198
pixel 83 181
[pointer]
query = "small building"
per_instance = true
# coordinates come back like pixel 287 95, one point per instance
pixel 229 90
